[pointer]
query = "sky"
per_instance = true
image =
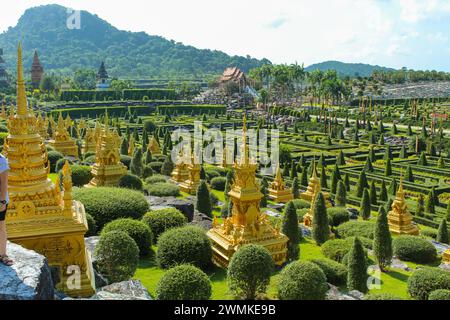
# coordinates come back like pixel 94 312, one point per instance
pixel 393 33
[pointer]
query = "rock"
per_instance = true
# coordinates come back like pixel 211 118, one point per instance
pixel 354 214
pixel 398 264
pixel 91 243
pixel 356 294
pixel 29 278
pixel 202 220
pixel 127 290
pixel 306 232
pixel 445 266
pixel 335 294
pixel 440 247
pixel 186 207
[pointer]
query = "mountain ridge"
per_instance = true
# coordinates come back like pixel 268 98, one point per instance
pixel 347 69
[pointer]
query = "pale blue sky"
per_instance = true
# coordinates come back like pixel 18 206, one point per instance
pixel 394 33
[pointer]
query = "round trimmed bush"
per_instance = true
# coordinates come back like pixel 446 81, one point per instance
pixel 139 231
pixel 249 271
pixel 301 204
pixel 335 272
pixel 163 189
pixel 117 256
pixel 211 173
pixel 53 158
pixel 81 175
pixel 218 183
pixel 184 282
pixel 109 204
pixel 130 181
pixel 162 220
pixel 381 296
pixel 126 160
pixel 155 179
pixel 337 216
pixel 426 280
pixel 156 166
pixel 302 281
pixel 186 245
pixel 336 249
pixel 441 294
pixel 92 225
pixel 414 249
pixel 364 229
pixel 147 171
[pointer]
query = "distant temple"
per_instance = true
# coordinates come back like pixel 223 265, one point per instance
pixel 4 78
pixel 234 75
pixel 102 78
pixel 37 72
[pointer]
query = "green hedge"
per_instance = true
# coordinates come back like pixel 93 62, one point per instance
pixel 112 95
pixel 149 94
pixel 196 109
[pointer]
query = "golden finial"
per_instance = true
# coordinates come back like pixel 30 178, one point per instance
pixel 21 93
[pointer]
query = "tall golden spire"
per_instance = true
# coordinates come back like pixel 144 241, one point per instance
pixel 21 94
pixel 244 148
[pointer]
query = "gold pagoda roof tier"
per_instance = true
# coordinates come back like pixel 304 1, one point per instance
pixel 278 191
pixel 247 224
pixel 180 173
pixel 399 218
pixel 41 216
pixel 191 184
pixel 446 256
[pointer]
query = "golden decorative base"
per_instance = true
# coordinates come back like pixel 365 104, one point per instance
pixel 60 239
pixel 179 176
pixel 401 224
pixel 67 148
pixel 283 196
pixel 224 246
pixel 189 186
pixel 107 176
pixel 446 256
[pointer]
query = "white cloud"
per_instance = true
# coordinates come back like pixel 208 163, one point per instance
pixel 413 11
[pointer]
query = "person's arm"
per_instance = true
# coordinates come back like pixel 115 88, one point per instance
pixel 3 189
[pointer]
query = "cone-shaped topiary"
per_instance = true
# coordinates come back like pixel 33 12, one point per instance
pixel 383 191
pixel 442 236
pixel 362 184
pixel 291 229
pixel 420 208
pixel 382 242
pixel 422 160
pixel 409 176
pixel 373 194
pixel 203 199
pixel 323 179
pixel 393 187
pixel 167 166
pixel 368 166
pixel 357 268
pixel 388 168
pixel 429 204
pixel 136 166
pixel 320 225
pixel 341 194
pixel 304 177
pixel 347 182
pixel 365 205
pixel 124 146
pixel 295 189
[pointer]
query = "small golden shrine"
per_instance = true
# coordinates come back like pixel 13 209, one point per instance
pixel 446 256
pixel 180 173
pixel 42 126
pixel 153 146
pixel 62 141
pixel 89 140
pixel 278 191
pixel 247 225
pixel 131 146
pixel 3 114
pixel 108 169
pixel 310 195
pixel 399 218
pixel 191 184
pixel 41 217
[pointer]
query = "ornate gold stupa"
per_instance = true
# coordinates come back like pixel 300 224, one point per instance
pixel 310 195
pixel 62 141
pixel 191 184
pixel 399 218
pixel 42 125
pixel 247 225
pixel 90 140
pixel 278 191
pixel 180 172
pixel 40 216
pixel 446 256
pixel 153 146
pixel 108 169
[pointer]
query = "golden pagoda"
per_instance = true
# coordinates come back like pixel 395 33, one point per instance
pixel 62 141
pixel 180 172
pixel 191 184
pixel 278 191
pixel 247 225
pixel 310 195
pixel 40 216
pixel 89 141
pixel 399 218
pixel 108 169
pixel 3 114
pixel 42 126
pixel 153 146
pixel 446 256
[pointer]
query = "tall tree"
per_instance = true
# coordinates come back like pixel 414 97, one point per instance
pixel 442 236
pixel 290 228
pixel 341 194
pixel 382 242
pixel 203 199
pixel 365 207
pixel 320 224
pixel 357 268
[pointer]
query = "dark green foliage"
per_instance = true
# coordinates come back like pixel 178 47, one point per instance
pixel 302 281
pixel 139 231
pixel 409 176
pixel 81 175
pixel 341 159
pixel 440 294
pixel 373 194
pixel 162 189
pixel 92 226
pixel 295 189
pixel 360 229
pixel 136 166
pixel 335 272
pixel 108 204
pixel 365 208
pixel 117 256
pixel 387 153
pixel 442 236
pixel 357 268
pixel 347 182
pixel 414 249
pixel 203 200
pixel 249 272
pixel 265 193
pixel 149 126
pixel 291 229
pixel 368 166
pixel 429 203
pixel 424 281
pixel 320 225
pixel 337 216
pixel 383 192
pixel 393 187
pixel 229 184
pixel 130 181
pixel 184 283
pixel 336 249
pixel 423 160
pixel 388 168
pixel 382 241
pixel 341 195
pixel 156 166
pixel 202 173
pixel 60 164
pixel 323 178
pixel 126 160
pixel 403 153
pixel 293 173
pixel 362 184
pixel 124 146
pixel 186 245
pixel 53 158
pixel 162 220
pixel 155 179
pixel 218 183
pixel 304 177
pixel 167 166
